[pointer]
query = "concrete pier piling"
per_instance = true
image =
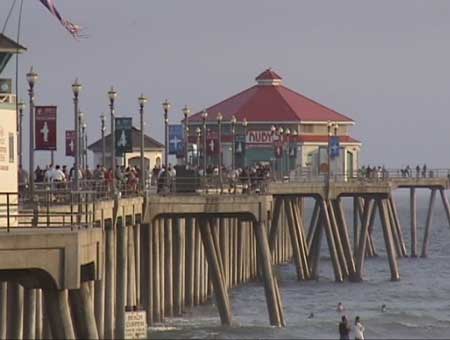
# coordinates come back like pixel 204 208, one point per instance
pixel 428 223
pixel 29 313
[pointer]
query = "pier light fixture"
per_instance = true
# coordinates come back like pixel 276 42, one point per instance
pixel 21 107
pixel 204 116
pixel 244 125
pixel 112 95
pixel 166 107
pixel 294 133
pixel 336 126
pixel 273 130
pixel 76 87
pixel 198 132
pixel 287 132
pixel 103 129
pixel 280 131
pixel 142 173
pixel 244 122
pixel 219 118
pixel 186 112
pixel 31 78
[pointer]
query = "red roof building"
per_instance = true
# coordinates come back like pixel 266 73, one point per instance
pixel 270 103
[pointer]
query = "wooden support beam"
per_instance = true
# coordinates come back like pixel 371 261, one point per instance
pixel 29 314
pixel 220 291
pixel 110 279
pixel 363 239
pixel 337 240
pixel 413 219
pixel 300 231
pixel 343 231
pixel 371 245
pixel 121 278
pixel 190 258
pixel 168 267
pixel 390 249
pixel 331 244
pixel 57 309
pixel 83 312
pixel 356 220
pixel 398 226
pixel 314 251
pixel 395 234
pixel 294 240
pixel 275 222
pixel 272 296
pixel 313 222
pixel 428 223
pixel 156 254
pixel 445 203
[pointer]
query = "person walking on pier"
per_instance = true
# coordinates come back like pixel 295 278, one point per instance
pixel 344 329
pixel 358 329
pixel 424 171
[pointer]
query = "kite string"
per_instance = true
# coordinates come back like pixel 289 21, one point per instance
pixel 8 16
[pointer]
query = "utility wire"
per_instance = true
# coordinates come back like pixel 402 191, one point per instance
pixel 8 16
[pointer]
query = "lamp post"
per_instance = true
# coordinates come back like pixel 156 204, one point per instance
pixel 103 128
pixel 76 88
pixel 336 126
pixel 287 162
pixel 280 161
pixel 84 126
pixel 244 126
pixel 198 131
pixel 21 107
pixel 166 108
pixel 219 128
pixel 295 135
pixel 329 126
pixel 80 141
pixel 204 116
pixel 186 113
pixel 31 78
pixel 273 131
pixel 112 95
pixel 142 100
pixel 233 142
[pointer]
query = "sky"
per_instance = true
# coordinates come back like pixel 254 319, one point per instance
pixel 382 63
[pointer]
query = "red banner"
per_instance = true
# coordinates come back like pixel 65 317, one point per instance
pixel 70 143
pixel 45 128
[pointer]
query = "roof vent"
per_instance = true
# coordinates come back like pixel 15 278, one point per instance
pixel 268 78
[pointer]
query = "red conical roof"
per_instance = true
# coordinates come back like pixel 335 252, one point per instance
pixel 269 101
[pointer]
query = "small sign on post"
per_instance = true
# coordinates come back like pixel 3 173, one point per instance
pixel 135 325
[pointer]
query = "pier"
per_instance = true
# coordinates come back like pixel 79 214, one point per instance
pixel 72 270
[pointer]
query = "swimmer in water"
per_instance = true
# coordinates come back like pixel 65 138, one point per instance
pixel 383 308
pixel 340 307
pixel 311 315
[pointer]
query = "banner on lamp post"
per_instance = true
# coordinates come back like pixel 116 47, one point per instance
pixel 45 128
pixel 70 143
pixel 123 135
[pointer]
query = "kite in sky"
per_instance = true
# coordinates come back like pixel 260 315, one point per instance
pixel 73 29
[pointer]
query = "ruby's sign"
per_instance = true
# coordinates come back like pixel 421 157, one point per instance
pixel 260 137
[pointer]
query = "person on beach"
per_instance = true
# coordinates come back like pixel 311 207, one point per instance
pixel 340 307
pixel 383 308
pixel 344 329
pixel 358 329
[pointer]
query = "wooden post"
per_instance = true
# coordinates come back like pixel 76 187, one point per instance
pixel 99 303
pixel 148 269
pixel 131 263
pixel 343 231
pixel 162 271
pixel 29 317
pixel 39 314
pixel 168 267
pixel 294 240
pixel 337 240
pixel 3 309
pixel 371 245
pixel 273 302
pixel 274 224
pixel 355 223
pixel 156 252
pixel 177 267
pixel 314 251
pixel 330 239
pixel 313 223
pixel 109 279
pixel 15 311
pixel 445 203
pixel 398 226
pixel 121 278
pixel 390 249
pixel 413 217
pixel 363 239
pixel 300 231
pixel 57 309
pixel 83 313
pixel 198 246
pixel 220 290
pixel 137 264
pixel 190 264
pixel 428 224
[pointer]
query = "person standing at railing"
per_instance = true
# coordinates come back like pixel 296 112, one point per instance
pixel 424 171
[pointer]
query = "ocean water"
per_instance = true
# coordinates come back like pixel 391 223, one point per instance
pixel 418 306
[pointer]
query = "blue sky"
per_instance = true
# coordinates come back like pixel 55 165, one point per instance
pixel 383 63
